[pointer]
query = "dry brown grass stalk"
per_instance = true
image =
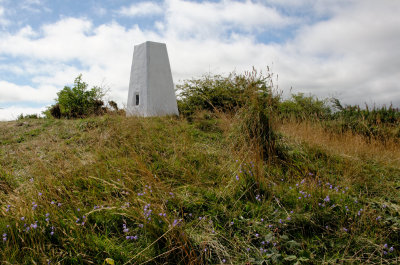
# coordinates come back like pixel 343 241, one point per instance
pixel 346 144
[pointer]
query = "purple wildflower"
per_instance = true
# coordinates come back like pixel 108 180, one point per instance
pixel 34 225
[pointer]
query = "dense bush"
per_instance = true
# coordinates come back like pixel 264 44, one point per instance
pixel 381 123
pixel 303 107
pixel 78 101
pixel 218 93
pixel 377 123
pixel 28 116
pixel 374 116
pixel 254 121
pixel 248 97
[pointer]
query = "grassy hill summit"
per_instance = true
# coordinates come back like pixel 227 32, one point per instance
pixel 242 176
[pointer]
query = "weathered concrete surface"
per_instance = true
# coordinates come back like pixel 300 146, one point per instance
pixel 151 89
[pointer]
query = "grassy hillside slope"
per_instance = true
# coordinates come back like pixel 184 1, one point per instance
pixel 169 191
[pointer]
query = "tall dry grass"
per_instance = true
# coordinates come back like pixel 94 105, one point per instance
pixel 346 144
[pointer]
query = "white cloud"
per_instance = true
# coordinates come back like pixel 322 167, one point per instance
pixel 212 19
pixel 48 55
pixel 35 6
pixel 352 54
pixel 312 7
pixel 3 20
pixel 10 92
pixel 12 113
pixel 100 11
pixel 141 9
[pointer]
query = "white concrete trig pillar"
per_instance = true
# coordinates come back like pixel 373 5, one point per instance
pixel 151 89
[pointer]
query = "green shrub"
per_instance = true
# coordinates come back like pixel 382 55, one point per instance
pixel 377 123
pixel 303 107
pixel 218 93
pixel 78 101
pixel 254 125
pixel 28 116
pixel 247 96
pixel 254 121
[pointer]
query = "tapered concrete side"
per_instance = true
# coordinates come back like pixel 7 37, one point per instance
pixel 138 82
pixel 151 84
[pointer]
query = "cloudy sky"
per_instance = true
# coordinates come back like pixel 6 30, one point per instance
pixel 349 49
